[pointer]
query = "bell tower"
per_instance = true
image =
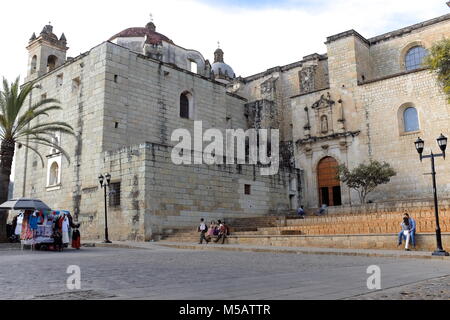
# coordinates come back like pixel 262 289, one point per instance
pixel 45 53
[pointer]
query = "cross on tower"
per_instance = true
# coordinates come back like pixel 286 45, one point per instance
pixel 151 17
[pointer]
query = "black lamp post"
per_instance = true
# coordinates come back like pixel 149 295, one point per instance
pixel 420 144
pixel 104 182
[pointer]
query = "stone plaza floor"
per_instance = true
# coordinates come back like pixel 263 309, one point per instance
pixel 157 272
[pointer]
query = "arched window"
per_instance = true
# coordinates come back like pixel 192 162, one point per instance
pixel 414 57
pixel 185 105
pixel 33 64
pixel 51 62
pixel 54 174
pixel 410 120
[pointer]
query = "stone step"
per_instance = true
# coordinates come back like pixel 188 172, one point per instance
pixel 425 241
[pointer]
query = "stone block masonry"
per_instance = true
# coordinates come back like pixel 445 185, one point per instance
pixel 158 195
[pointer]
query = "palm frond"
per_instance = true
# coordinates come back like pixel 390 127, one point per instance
pixel 30 115
pixel 49 143
pixel 36 151
pixel 46 129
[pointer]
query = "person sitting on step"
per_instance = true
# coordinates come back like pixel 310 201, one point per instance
pixel 406 229
pixel 301 212
pixel 401 235
pixel 222 232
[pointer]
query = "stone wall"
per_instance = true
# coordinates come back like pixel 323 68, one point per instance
pixel 384 102
pixel 142 100
pixel 117 100
pixel 370 95
pixel 82 108
pixel 157 194
pixel 179 196
pixel 387 51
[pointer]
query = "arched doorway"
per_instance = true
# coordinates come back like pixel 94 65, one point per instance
pixel 328 181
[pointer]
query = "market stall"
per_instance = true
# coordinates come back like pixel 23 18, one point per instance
pixel 40 227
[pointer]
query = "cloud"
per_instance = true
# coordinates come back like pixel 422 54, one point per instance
pixel 254 35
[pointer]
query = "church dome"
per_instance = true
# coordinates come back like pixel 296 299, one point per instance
pixel 220 69
pixel 148 31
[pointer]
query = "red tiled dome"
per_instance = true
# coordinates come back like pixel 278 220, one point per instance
pixel 153 37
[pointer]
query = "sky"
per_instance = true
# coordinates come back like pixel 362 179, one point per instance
pixel 255 35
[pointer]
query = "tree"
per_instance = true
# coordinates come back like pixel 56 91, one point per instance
pixel 18 128
pixel 366 177
pixel 438 61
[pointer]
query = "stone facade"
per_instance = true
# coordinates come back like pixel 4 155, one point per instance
pixel 124 106
pixel 124 99
pixel 369 89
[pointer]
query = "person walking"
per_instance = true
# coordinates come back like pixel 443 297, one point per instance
pixel 203 229
pixel 406 229
pixel 412 232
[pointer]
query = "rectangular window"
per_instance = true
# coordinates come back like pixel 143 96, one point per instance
pixel 76 83
pixel 247 189
pixel 193 67
pixel 59 80
pixel 114 194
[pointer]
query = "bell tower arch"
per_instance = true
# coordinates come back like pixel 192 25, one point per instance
pixel 45 52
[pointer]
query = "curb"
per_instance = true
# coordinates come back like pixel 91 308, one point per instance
pixel 302 251
pixel 281 250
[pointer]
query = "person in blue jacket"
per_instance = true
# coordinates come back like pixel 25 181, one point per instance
pixel 412 223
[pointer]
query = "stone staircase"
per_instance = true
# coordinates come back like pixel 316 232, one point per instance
pixel 358 231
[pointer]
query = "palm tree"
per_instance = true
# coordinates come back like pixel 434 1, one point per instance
pixel 18 128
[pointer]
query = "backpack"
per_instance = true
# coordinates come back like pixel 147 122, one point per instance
pixel 205 230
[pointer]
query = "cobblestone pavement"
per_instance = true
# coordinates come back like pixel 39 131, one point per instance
pixel 165 273
pixel 433 289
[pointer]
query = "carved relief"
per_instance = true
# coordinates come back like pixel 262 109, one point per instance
pixel 307 79
pixel 268 89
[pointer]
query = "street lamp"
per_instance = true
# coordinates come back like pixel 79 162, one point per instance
pixel 104 182
pixel 420 144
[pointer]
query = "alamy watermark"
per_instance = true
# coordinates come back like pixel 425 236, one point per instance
pixel 238 147
pixel 374 281
pixel 74 280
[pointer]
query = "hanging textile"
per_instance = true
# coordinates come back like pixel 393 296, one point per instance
pixel 18 229
pixel 27 233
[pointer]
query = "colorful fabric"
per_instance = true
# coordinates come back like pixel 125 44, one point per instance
pixel 33 221
pixel 27 233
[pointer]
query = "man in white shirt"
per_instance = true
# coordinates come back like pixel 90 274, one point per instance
pixel 203 229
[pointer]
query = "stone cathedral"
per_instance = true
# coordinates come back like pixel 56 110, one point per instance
pixel 362 99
